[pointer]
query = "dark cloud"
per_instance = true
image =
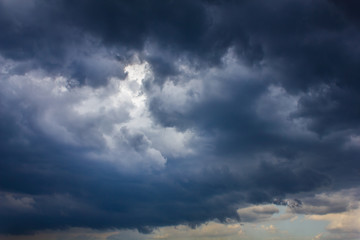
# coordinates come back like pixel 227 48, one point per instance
pixel 329 108
pixel 349 8
pixel 267 92
pixel 58 28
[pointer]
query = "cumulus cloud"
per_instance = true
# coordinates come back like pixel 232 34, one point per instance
pixel 271 228
pixel 205 231
pixel 257 213
pixel 344 225
pixel 326 203
pixel 112 120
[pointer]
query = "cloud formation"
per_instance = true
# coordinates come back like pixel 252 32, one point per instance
pixel 147 114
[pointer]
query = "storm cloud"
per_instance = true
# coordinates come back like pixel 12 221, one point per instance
pixel 143 114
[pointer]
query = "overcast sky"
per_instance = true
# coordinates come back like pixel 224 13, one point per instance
pixel 179 119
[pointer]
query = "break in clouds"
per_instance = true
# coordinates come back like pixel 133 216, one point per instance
pixel 144 114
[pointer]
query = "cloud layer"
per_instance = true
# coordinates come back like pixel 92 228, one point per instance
pixel 146 114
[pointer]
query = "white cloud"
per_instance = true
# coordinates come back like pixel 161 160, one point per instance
pixel 210 230
pixel 270 228
pixel 95 118
pixel 318 236
pixel 345 222
pixel 257 213
pixel 340 209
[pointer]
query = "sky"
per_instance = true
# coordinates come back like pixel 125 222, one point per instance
pixel 179 119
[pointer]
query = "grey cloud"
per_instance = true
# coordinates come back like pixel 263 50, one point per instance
pixel 267 92
pixel 14 203
pixel 257 213
pixel 327 203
